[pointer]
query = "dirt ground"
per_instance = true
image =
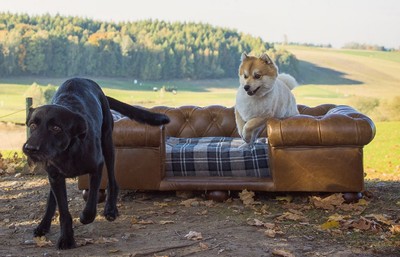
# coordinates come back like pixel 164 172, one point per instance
pixel 170 224
pixel 187 224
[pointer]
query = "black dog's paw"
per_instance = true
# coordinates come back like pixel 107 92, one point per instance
pixel 87 217
pixel 111 213
pixel 66 243
pixel 40 231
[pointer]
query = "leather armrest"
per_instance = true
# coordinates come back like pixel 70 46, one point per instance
pixel 129 133
pixel 340 125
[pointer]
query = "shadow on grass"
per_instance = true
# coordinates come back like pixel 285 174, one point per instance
pixel 310 73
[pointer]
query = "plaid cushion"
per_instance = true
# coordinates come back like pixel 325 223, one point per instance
pixel 215 156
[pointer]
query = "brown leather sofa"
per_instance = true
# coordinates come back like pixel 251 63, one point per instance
pixel 320 150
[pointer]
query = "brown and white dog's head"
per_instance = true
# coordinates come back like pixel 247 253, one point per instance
pixel 257 75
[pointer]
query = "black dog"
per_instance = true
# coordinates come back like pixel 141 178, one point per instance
pixel 72 136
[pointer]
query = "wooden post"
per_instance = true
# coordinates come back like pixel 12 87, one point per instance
pixel 28 104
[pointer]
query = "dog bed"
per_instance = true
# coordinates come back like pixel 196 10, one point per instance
pixel 215 156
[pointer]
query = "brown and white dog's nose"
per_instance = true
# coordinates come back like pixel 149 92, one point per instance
pixel 246 88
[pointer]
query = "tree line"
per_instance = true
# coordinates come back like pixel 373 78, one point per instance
pixel 59 46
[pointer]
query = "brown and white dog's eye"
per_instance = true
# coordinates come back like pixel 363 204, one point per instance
pixel 245 76
pixel 257 76
pixel 55 129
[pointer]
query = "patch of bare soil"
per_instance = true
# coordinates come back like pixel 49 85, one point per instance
pixel 170 224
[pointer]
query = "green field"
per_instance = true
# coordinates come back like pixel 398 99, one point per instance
pixel 326 75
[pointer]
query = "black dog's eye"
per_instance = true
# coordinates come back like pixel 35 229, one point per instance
pixel 245 76
pixel 55 129
pixel 32 126
pixel 257 76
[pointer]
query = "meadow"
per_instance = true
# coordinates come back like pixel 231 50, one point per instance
pixel 326 76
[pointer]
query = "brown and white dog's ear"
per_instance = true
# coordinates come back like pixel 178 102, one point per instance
pixel 243 57
pixel 266 58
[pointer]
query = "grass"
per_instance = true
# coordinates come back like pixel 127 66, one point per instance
pixel 381 156
pixel 328 76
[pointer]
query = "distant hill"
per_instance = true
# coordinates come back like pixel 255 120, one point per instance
pixel 58 46
pixel 367 80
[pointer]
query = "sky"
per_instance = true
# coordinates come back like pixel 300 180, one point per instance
pixel 335 22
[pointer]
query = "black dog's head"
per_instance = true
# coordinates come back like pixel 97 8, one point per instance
pixel 52 129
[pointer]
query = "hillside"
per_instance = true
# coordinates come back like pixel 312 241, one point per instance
pixel 57 46
pixel 367 80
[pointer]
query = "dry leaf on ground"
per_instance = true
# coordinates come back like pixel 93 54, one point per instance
pixel 395 229
pixel 190 202
pixel 193 235
pixel 247 197
pixel 327 203
pixel 42 241
pixel 380 218
pixel 283 253
pixel 292 216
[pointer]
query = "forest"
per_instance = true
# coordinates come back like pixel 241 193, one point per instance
pixel 59 46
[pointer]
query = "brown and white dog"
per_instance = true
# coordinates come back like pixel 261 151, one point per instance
pixel 263 93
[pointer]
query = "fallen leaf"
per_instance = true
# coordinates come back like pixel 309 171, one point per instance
pixel 269 225
pixel 190 202
pixel 256 222
pixel 203 246
pixel 163 222
pixel 362 202
pixel 338 217
pixel 85 241
pixel 287 198
pixel 282 253
pixel 158 204
pixel 395 229
pixel 247 197
pixel 363 224
pixel 193 235
pixel 292 216
pixel 380 218
pixel 105 240
pixel 330 224
pixel 328 203
pixel 145 222
pixel 42 241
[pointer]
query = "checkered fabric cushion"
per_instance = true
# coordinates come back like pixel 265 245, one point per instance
pixel 215 156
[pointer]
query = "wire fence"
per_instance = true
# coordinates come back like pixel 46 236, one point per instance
pixel 10 114
pixel 28 105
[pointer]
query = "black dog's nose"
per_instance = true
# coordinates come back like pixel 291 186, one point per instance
pixel 246 87
pixel 31 148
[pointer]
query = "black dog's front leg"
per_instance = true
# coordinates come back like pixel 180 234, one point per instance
pixel 44 226
pixel 58 187
pixel 89 212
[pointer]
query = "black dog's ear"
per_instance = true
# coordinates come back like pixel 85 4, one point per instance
pixel 79 127
pixel 28 117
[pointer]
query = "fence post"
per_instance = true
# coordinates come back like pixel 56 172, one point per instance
pixel 28 104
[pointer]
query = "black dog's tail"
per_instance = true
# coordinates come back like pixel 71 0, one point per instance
pixel 138 114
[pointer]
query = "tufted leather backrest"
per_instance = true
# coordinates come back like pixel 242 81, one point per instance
pixel 195 121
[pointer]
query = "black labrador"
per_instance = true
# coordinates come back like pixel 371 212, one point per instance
pixel 72 136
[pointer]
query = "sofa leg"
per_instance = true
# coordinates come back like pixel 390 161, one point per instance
pixel 352 197
pixel 217 196
pixel 101 197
